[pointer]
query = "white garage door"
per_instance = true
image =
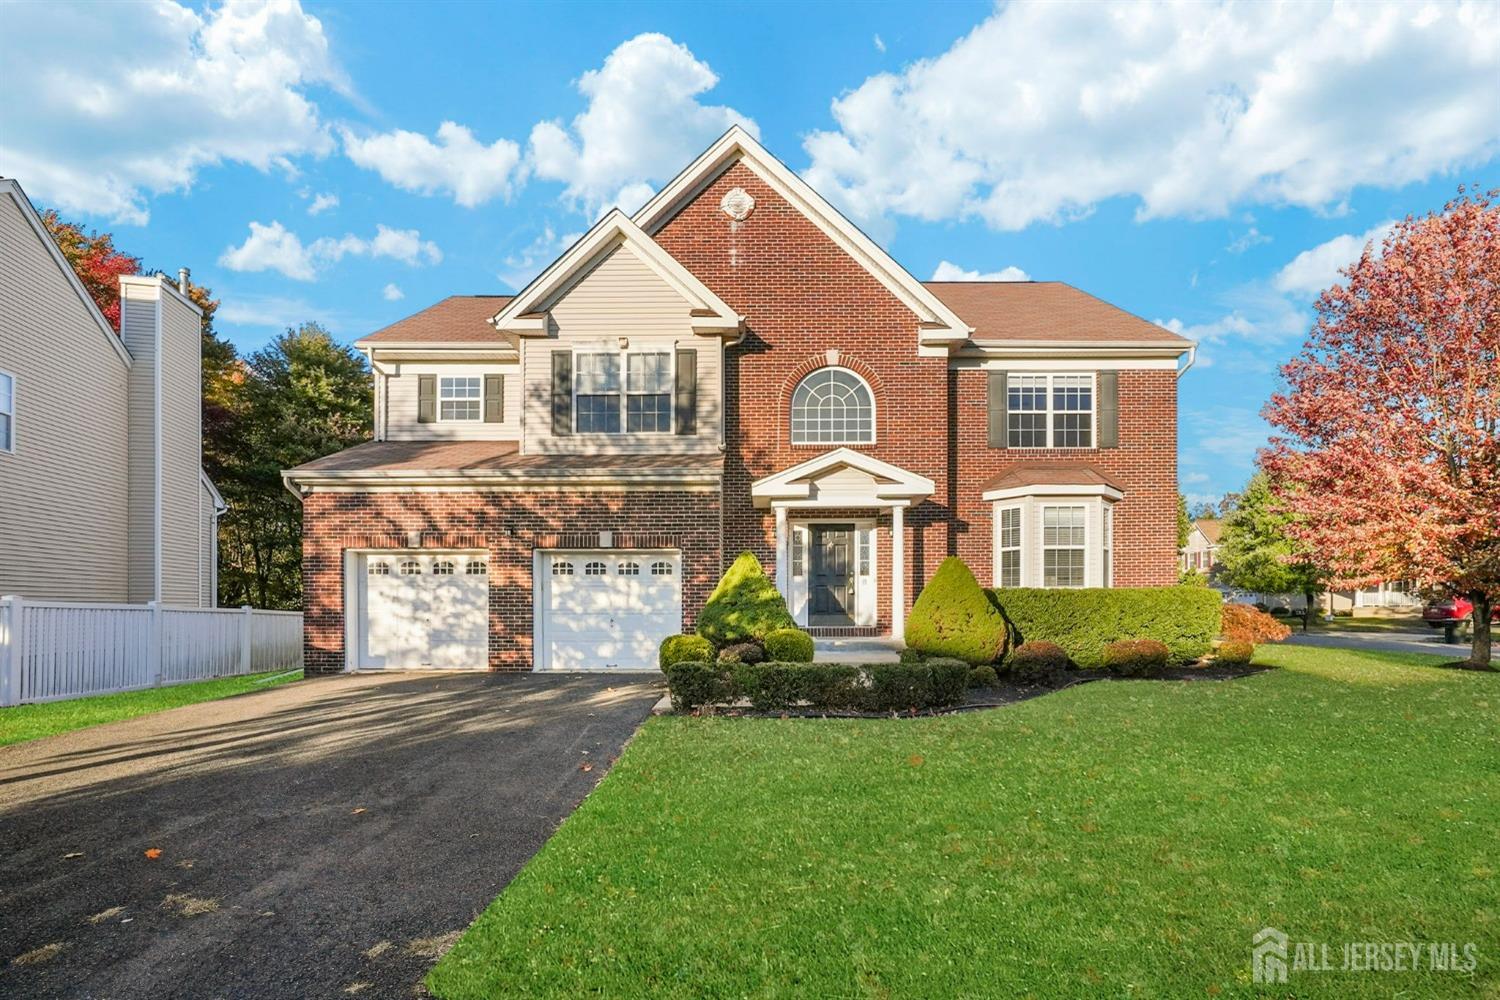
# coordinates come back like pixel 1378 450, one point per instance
pixel 427 609
pixel 607 610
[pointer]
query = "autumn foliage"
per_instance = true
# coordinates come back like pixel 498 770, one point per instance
pixel 96 262
pixel 1388 452
pixel 1242 623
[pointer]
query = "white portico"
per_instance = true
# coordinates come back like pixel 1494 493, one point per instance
pixel 827 544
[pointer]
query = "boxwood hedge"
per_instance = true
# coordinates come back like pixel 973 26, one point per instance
pixel 1083 622
pixel 772 687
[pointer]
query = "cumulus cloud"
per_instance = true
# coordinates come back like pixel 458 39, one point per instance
pixel 1044 110
pixel 455 163
pixel 1313 270
pixel 949 271
pixel 273 247
pixel 391 293
pixel 643 122
pixel 148 95
pixel 322 203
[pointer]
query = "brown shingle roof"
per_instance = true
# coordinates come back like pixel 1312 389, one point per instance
pixel 458 319
pixel 1211 527
pixel 1050 474
pixel 1020 311
pixel 501 458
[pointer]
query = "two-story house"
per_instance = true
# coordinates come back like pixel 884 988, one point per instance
pixel 559 477
pixel 102 491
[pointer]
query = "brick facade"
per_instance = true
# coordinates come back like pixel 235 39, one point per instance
pixel 511 525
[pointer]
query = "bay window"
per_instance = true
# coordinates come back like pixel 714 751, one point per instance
pixel 1064 540
pixel 1008 547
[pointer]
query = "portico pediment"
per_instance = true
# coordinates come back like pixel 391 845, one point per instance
pixel 841 478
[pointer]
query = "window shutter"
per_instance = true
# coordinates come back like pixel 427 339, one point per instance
pixel 997 402
pixel 1109 409
pixel 562 392
pixel 686 402
pixel 494 399
pixel 426 399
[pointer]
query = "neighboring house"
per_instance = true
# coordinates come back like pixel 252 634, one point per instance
pixel 102 490
pixel 558 478
pixel 1375 599
pixel 1202 548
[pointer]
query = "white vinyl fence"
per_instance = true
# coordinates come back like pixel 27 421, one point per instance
pixel 50 650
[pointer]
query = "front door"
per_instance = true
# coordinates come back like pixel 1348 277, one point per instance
pixel 832 595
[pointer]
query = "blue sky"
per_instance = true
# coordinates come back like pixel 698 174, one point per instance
pixel 1206 167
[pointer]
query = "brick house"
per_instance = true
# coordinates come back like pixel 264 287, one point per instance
pixel 558 478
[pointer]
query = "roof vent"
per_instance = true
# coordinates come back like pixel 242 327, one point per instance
pixel 182 279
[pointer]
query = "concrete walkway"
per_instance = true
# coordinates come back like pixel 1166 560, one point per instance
pixel 875 649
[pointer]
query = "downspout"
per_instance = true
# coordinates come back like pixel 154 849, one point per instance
pixel 1192 353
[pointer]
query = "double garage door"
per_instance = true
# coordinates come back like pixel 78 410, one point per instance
pixel 594 610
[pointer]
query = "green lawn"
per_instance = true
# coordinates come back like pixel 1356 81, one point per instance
pixel 1371 625
pixel 1119 839
pixel 29 722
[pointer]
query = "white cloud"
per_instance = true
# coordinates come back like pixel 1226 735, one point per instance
pixel 275 248
pixel 949 271
pixel 1044 110
pixel 879 44
pixel 1313 270
pixel 457 164
pixel 524 265
pixel 642 124
pixel 1250 238
pixel 148 95
pixel 322 203
pixel 391 293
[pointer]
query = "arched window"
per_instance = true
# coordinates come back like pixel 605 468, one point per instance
pixel 477 567
pixel 562 569
pixel 833 406
pixel 594 569
pixel 442 568
pixel 661 569
pixel 380 568
pixel 630 569
pixel 411 568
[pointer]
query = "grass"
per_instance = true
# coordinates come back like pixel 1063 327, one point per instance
pixel 1372 625
pixel 30 722
pixel 1111 839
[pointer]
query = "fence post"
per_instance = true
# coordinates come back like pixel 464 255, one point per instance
pixel 154 647
pixel 12 655
pixel 247 624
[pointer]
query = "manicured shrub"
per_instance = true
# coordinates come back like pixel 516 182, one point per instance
pixel 954 617
pixel 695 684
pixel 1234 653
pixel 909 655
pixel 742 652
pixel 1083 622
pixel 683 649
pixel 1135 657
pixel 745 605
pixel 1246 624
pixel 901 687
pixel 789 645
pixel 1037 661
pixel 779 686
pixel 983 676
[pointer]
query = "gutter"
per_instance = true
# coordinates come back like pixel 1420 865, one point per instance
pixel 1192 353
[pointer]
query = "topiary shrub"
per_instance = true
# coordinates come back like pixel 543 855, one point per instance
pixel 1234 653
pixel 742 652
pixel 694 685
pixel 1246 624
pixel 789 645
pixel 684 649
pixel 953 617
pixel 983 676
pixel 744 606
pixel 1135 657
pixel 1084 621
pixel 1037 661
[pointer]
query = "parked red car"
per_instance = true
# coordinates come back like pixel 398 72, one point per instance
pixel 1453 611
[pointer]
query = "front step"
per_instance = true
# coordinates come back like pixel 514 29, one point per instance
pixel 857 649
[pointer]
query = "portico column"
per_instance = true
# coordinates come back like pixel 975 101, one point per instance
pixel 898 573
pixel 783 579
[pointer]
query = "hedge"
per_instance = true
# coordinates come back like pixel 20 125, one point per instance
pixel 773 687
pixel 744 606
pixel 683 649
pixel 954 617
pixel 789 645
pixel 1083 622
pixel 1135 657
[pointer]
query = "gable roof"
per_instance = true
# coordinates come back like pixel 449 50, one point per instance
pixel 939 324
pixel 889 482
pixel 708 314
pixel 1051 313
pixel 9 187
pixel 1211 527
pixel 458 320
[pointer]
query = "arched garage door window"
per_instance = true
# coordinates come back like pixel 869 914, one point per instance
pixel 833 406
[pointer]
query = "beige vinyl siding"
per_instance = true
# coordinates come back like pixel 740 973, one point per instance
pixel 400 402
pixel 182 451
pixel 138 322
pixel 63 518
pixel 621 296
pixel 207 546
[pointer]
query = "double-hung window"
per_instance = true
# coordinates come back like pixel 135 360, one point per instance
pixel 1008 545
pixel 460 398
pixel 630 392
pixel 1064 555
pixel 7 412
pixel 1049 411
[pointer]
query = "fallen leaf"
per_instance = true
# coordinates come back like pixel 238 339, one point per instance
pixel 36 956
pixel 433 947
pixel 153 853
pixel 72 854
pixel 915 760
pixel 103 915
pixel 585 766
pixel 189 906
pixel 377 949
pixel 358 811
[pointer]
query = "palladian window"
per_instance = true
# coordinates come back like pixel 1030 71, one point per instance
pixel 833 406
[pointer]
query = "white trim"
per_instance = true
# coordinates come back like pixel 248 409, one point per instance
pixel 1053 490
pixel 708 314
pixel 792 410
pixel 937 323
pixel 478 417
pixel 12 188
pixel 783 486
pixel 164 283
pixel 1106 348
pixel 1060 503
pixel 10 446
pixel 158 362
pixel 1020 547
pixel 797 590
pixel 1065 362
pixel 898 574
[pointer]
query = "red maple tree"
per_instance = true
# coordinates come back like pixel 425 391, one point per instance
pixel 96 262
pixel 1390 451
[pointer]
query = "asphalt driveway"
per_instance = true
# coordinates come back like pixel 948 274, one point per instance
pixel 319 839
pixel 1427 641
